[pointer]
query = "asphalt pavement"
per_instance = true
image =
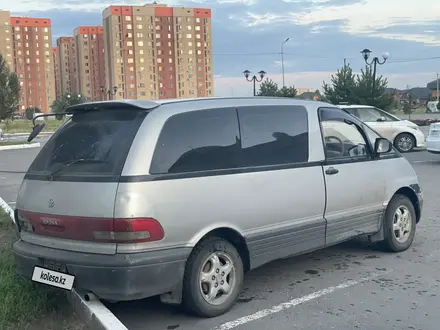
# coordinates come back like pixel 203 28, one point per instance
pixel 349 286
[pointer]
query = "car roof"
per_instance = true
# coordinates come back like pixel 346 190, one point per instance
pixel 152 104
pixel 343 106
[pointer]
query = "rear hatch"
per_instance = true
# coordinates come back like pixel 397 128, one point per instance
pixel 67 197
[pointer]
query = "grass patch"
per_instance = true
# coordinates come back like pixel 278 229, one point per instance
pixel 21 301
pixel 13 142
pixel 25 126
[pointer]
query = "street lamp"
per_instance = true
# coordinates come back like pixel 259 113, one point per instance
pixel 69 96
pixel 282 57
pixel 254 78
pixel 110 91
pixel 366 55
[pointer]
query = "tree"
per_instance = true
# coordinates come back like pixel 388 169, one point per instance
pixel 270 88
pixel 287 91
pixel 358 89
pixel 9 90
pixel 408 106
pixel 342 87
pixel 60 105
pixel 318 95
pixel 365 94
pixel 29 112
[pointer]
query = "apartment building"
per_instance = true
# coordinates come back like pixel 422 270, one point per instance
pixel 56 72
pixel 158 52
pixel 6 44
pixel 33 61
pixel 89 61
pixel 66 66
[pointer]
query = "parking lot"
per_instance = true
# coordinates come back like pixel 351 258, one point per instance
pixel 350 286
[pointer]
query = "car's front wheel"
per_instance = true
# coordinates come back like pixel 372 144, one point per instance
pixel 213 278
pixel 399 224
pixel 405 142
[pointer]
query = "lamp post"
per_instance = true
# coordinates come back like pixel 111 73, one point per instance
pixel 110 91
pixel 254 78
pixel 366 55
pixel 282 58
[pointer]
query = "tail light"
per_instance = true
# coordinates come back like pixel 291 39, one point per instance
pixel 136 230
pixel 106 230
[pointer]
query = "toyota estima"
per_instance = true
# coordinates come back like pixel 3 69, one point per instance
pixel 179 198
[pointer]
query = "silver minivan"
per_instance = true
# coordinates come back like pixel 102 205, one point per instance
pixel 179 198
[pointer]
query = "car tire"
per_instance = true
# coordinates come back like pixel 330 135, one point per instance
pixel 199 265
pixel 405 142
pixel 399 234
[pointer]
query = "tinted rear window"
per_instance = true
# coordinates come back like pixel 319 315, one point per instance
pixel 215 139
pixel 101 138
pixel 198 141
pixel 274 135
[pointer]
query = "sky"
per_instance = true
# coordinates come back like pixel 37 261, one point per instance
pixel 247 35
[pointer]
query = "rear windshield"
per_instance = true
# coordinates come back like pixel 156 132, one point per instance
pixel 90 143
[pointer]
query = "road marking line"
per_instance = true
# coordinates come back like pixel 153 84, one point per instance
pixel 424 161
pixel 295 302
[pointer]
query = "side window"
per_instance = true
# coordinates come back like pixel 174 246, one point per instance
pixel 198 141
pixel 274 135
pixel 372 136
pixel 385 115
pixel 369 114
pixel 353 111
pixel 342 139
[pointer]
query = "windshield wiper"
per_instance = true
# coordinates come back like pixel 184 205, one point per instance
pixel 80 160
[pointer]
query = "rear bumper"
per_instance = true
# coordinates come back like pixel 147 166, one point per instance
pixel 433 145
pixel 113 277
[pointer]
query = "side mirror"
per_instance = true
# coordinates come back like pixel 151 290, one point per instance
pixel 382 146
pixel 382 119
pixel 35 131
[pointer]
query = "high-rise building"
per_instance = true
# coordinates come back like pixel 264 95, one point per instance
pixel 6 45
pixel 157 52
pixel 89 61
pixel 33 61
pixel 66 66
pixel 56 72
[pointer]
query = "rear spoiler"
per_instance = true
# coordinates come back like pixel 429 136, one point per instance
pixel 92 106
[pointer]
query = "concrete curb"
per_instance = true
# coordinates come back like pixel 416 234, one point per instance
pixel 7 209
pixel 90 310
pixel 25 134
pixel 93 312
pixel 20 146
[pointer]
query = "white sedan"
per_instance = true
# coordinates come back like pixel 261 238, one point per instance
pixel 404 134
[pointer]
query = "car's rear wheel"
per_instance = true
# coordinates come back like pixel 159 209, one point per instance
pixel 405 142
pixel 213 278
pixel 399 224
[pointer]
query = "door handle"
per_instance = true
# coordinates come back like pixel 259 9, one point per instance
pixel 331 170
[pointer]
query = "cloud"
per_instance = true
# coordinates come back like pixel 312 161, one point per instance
pixel 363 18
pixel 287 64
pixel 367 17
pixel 247 34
